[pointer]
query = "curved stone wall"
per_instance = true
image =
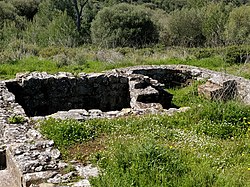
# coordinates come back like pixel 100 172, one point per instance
pixel 175 75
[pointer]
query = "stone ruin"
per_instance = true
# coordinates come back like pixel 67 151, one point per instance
pixel 27 159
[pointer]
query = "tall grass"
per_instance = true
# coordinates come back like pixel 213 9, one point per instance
pixel 77 60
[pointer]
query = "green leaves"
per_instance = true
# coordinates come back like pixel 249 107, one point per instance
pixel 123 25
pixel 238 26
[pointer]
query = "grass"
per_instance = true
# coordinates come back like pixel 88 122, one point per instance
pixel 30 64
pixel 91 63
pixel 206 146
pixel 16 119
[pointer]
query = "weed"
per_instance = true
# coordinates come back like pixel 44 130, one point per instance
pixel 16 119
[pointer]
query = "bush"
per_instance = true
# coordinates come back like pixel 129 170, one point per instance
pixel 27 8
pixel 237 54
pixel 161 20
pixel 123 25
pixel 200 53
pixel 7 11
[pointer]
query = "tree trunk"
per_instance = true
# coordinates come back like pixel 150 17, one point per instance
pixel 79 10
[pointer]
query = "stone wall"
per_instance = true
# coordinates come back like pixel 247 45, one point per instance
pixel 43 94
pixel 183 74
pixel 169 77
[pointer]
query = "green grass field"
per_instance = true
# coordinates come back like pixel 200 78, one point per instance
pixel 87 62
pixel 206 146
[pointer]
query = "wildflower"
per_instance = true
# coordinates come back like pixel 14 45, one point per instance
pixel 248 169
pixel 171 147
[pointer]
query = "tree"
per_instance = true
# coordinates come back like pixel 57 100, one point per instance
pixel 124 25
pixel 215 18
pixel 82 12
pixel 27 8
pixel 79 5
pixel 185 27
pixel 74 8
pixel 166 5
pixel 238 26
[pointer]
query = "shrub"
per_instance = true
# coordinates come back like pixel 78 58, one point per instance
pixel 161 20
pixel 7 11
pixel 27 8
pixel 200 53
pixel 237 54
pixel 123 25
pixel 16 119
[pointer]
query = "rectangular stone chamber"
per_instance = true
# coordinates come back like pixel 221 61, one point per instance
pixel 45 96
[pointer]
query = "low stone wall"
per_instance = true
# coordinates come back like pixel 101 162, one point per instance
pixel 172 75
pixel 44 94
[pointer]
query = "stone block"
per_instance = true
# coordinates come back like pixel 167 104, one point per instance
pixel 224 90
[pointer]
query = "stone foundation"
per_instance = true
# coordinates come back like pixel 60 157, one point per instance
pixel 42 94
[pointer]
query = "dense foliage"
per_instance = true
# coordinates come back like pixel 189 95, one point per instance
pixel 186 23
pixel 123 25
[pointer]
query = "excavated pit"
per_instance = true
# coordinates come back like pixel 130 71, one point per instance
pixel 42 94
pixel 45 96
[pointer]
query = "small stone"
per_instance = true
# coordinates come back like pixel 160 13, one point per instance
pixel 32 133
pixel 183 109
pixel 87 171
pixel 126 111
pixel 55 154
pixel 62 165
pixel 112 113
pixel 40 168
pixel 82 183
pixel 47 185
pixel 56 179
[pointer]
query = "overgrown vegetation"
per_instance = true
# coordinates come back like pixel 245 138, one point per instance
pixel 16 119
pixel 205 146
pixel 135 23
